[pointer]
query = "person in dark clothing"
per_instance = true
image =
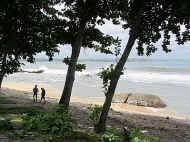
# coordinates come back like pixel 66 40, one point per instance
pixel 35 91
pixel 43 93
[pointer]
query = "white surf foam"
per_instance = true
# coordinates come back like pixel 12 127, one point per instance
pixel 132 75
pixel 152 77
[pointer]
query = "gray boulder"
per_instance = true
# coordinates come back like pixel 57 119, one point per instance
pixel 138 99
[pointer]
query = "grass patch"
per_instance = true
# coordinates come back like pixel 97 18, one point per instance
pixel 15 120
pixel 11 122
pixel 20 110
pixel 78 136
pixel 4 100
pixel 137 136
pixel 35 124
pixel 112 135
pixel 5 124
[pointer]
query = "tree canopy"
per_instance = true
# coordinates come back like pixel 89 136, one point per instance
pixel 155 20
pixel 77 26
pixel 26 28
pixel 148 21
pixel 74 13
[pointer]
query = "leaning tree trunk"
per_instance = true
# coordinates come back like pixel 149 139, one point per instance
pixel 65 98
pixel 101 125
pixel 2 68
pixel 76 46
pixel 1 79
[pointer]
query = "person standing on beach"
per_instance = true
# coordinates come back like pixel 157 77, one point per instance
pixel 43 93
pixel 35 95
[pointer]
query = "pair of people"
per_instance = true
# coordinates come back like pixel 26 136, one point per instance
pixel 35 95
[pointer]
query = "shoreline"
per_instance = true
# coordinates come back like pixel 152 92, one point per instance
pixel 53 94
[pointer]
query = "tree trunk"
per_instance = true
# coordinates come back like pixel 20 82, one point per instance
pixel 1 79
pixel 65 98
pixel 101 125
pixel 2 69
pixel 76 46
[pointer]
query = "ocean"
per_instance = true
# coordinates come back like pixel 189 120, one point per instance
pixel 169 79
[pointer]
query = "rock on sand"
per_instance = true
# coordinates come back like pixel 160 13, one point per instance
pixel 146 100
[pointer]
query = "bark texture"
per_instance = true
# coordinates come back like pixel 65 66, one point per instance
pixel 113 83
pixel 2 69
pixel 70 77
pixel 1 79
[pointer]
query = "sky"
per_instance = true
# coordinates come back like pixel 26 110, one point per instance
pixel 178 52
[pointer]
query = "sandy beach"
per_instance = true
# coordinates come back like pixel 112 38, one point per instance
pixel 160 123
pixel 53 94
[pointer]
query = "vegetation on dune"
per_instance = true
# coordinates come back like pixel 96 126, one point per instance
pixel 137 136
pixel 56 124
pixel 94 113
pixel 34 123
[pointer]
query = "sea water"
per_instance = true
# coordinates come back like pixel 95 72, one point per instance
pixel 169 79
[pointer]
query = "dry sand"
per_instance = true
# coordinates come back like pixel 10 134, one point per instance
pixel 55 94
pixel 146 119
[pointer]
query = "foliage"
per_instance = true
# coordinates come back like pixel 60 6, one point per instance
pixel 22 110
pixel 78 136
pixel 56 124
pixel 25 30
pixel 67 60
pixel 148 22
pixel 135 16
pixel 79 67
pixel 136 136
pixel 94 114
pixel 78 27
pixel 80 18
pixel 106 75
pixel 110 137
pixel 156 20
pixel 90 13
pixel 5 124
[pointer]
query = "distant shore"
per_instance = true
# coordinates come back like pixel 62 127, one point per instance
pixel 124 108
